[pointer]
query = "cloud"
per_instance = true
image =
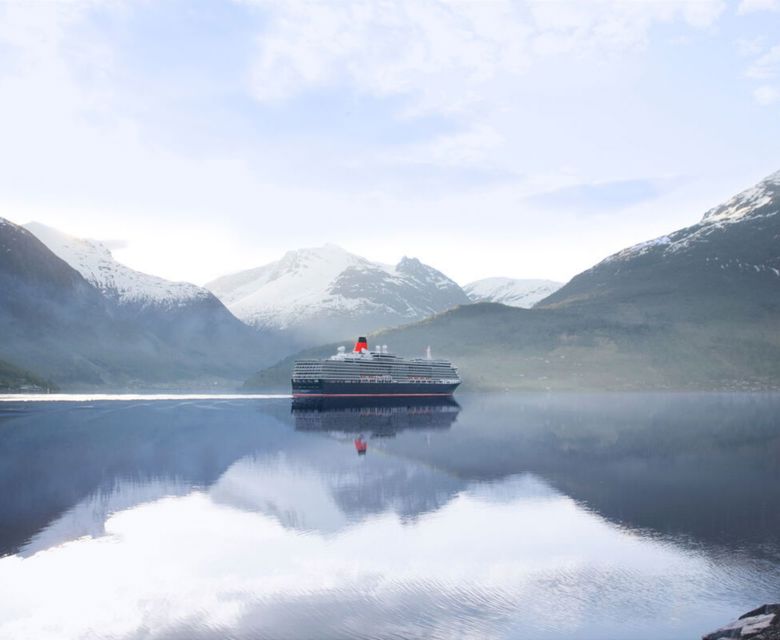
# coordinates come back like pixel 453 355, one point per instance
pixel 470 147
pixel 601 197
pixel 443 53
pixel 750 6
pixel 766 95
pixel 750 47
pixel 766 65
pixel 386 49
pixel 766 68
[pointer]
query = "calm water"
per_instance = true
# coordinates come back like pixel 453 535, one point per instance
pixel 533 516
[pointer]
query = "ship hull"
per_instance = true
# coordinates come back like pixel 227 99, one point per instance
pixel 324 388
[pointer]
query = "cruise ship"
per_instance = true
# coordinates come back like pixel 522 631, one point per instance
pixel 365 372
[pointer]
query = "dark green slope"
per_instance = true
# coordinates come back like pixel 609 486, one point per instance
pixel 698 309
pixel 13 378
pixel 498 347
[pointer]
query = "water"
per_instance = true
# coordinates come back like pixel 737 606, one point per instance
pixel 531 516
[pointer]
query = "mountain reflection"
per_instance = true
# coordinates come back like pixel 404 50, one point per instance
pixel 663 505
pixel 703 467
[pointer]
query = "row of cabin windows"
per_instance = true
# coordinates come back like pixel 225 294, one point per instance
pixel 384 367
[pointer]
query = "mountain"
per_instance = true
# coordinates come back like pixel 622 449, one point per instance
pixel 727 265
pixel 511 291
pixel 44 304
pixel 93 260
pixel 696 309
pixel 326 293
pixel 60 325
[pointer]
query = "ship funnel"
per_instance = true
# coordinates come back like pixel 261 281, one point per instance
pixel 428 353
pixel 361 344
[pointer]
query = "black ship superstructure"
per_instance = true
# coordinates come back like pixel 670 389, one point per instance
pixel 363 372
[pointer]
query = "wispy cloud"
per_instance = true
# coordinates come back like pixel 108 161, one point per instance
pixel 766 65
pixel 766 95
pixel 599 197
pixel 765 68
pixel 446 54
pixel 751 6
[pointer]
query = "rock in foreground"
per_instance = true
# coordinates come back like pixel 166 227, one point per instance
pixel 760 624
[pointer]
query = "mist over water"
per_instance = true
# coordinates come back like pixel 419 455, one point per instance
pixel 499 516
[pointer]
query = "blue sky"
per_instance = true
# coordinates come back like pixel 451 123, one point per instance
pixel 488 138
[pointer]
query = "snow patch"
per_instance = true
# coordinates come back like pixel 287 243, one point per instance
pixel 750 204
pixel 640 249
pixel 522 293
pixel 747 203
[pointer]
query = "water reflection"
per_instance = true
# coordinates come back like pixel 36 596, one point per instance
pixel 533 516
pixel 378 417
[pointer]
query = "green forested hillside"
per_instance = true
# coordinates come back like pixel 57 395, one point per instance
pixel 13 378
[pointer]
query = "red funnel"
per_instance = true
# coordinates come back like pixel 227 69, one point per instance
pixel 361 344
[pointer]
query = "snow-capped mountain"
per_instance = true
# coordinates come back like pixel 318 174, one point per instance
pixel 328 293
pixel 523 293
pixel 93 260
pixel 751 205
pixel 727 263
pixel 99 323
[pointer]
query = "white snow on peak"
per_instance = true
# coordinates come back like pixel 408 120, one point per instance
pixel 281 292
pixel 302 285
pixel 93 260
pixel 640 249
pixel 523 293
pixel 747 202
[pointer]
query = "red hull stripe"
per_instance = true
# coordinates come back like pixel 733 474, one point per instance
pixel 368 395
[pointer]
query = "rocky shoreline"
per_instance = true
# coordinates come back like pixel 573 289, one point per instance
pixel 762 623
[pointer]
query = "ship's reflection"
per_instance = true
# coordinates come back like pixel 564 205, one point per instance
pixel 376 417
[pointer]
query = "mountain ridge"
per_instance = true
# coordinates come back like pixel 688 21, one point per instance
pixel 95 262
pixel 734 248
pixel 324 293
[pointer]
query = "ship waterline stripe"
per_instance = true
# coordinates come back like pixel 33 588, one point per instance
pixel 369 395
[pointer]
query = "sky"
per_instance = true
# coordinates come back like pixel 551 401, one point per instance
pixel 526 139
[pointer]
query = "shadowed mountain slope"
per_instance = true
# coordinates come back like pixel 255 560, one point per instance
pixel 53 321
